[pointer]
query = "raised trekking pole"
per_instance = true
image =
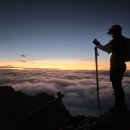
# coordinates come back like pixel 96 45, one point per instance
pixel 96 63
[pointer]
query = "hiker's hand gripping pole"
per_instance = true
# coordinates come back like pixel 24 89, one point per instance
pixel 96 63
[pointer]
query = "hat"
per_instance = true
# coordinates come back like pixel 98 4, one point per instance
pixel 115 28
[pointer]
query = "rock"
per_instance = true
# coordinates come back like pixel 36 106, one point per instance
pixel 106 121
pixel 19 111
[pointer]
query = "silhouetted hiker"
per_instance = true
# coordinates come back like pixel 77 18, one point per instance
pixel 117 65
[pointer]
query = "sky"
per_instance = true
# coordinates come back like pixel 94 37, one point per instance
pixel 58 33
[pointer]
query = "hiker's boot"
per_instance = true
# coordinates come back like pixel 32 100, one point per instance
pixel 119 108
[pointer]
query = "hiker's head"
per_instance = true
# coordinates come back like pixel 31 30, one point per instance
pixel 115 30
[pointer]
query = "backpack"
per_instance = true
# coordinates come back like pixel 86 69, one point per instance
pixel 126 49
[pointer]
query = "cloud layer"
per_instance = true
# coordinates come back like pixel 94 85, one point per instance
pixel 79 87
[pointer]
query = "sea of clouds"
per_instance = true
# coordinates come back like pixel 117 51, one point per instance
pixel 79 87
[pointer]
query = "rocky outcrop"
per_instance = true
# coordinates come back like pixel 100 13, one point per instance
pixel 19 111
pixel 106 121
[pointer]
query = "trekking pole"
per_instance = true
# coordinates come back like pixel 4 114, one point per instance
pixel 96 63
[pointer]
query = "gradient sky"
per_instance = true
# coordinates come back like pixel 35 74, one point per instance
pixel 58 33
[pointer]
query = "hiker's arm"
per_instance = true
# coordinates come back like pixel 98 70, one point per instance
pixel 106 48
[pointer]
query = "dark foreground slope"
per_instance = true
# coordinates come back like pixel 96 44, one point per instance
pixel 19 111
pixel 106 121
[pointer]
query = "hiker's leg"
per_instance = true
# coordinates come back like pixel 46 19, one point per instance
pixel 120 105
pixel 116 76
pixel 118 92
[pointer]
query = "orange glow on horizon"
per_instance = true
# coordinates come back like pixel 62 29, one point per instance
pixel 52 64
pixel 55 64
